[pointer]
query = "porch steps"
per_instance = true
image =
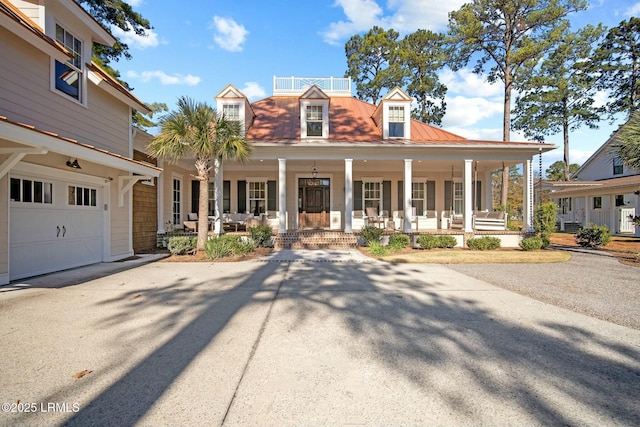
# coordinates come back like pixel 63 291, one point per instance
pixel 315 239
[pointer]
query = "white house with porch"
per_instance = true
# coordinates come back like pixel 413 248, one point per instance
pixel 325 160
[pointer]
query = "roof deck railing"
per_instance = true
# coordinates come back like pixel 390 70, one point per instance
pixel 299 85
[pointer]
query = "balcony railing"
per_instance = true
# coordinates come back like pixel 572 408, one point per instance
pixel 299 85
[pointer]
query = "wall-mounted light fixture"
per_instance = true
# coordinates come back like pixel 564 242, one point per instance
pixel 74 164
pixel 314 171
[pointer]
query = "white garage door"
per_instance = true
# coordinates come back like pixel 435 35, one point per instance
pixel 54 225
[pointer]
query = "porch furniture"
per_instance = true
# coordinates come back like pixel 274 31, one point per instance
pixel 235 220
pixel 490 221
pixel 357 220
pixel 374 218
pixel 192 222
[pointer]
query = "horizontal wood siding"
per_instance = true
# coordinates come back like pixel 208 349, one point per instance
pixel 26 96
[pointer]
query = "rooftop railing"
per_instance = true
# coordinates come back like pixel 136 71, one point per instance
pixel 299 85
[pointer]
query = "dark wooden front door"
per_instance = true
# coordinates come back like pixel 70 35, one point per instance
pixel 314 202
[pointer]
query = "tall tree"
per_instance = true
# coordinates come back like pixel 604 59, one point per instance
pixel 196 129
pixel 421 56
pixel 511 35
pixel 558 96
pixel 120 14
pixel 372 62
pixel 626 142
pixel 617 61
pixel 556 171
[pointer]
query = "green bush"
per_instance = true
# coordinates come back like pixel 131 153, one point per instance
pixel 428 241
pixel 544 219
pixel 376 249
pixel 532 243
pixel 593 236
pixel 371 234
pixel 227 245
pixel 446 241
pixel 182 245
pixel 399 241
pixel 483 243
pixel 261 235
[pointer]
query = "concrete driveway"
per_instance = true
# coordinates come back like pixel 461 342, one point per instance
pixel 297 340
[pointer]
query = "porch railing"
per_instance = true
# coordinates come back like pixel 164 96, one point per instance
pixel 298 85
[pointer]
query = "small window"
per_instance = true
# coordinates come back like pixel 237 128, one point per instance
pixel 618 168
pixel 597 202
pixel 314 120
pixel 231 112
pixel 31 191
pixel 176 207
pixel 619 200
pixel 68 75
pixel 396 122
pixel 81 196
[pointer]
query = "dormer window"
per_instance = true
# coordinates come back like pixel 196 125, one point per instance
pixel 314 120
pixel 231 112
pixel 68 75
pixel 396 122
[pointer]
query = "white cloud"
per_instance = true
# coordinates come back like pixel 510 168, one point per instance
pixel 633 10
pixel 135 3
pixel 468 83
pixel 229 35
pixel 465 111
pixel 252 90
pixel 404 16
pixel 149 39
pixel 164 78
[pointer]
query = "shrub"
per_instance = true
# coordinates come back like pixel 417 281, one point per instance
pixel 261 235
pixel 532 243
pixel 399 241
pixel 376 249
pixel 593 236
pixel 446 241
pixel 182 245
pixel 428 241
pixel 227 245
pixel 483 243
pixel 371 234
pixel 544 219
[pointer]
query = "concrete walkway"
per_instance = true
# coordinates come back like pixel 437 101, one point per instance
pixel 294 341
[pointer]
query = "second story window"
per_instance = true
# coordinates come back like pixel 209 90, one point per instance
pixel 618 169
pixel 396 122
pixel 68 75
pixel 231 112
pixel 314 120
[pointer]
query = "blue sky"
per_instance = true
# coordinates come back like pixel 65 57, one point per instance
pixel 197 47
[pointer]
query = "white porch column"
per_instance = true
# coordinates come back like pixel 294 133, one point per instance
pixel 587 210
pixel 160 198
pixel 527 196
pixel 282 189
pixel 468 195
pixel 217 190
pixel 348 195
pixel 407 195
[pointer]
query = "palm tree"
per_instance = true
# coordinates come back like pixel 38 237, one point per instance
pixel 626 142
pixel 196 129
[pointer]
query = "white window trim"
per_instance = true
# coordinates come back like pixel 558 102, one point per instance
pixel 84 72
pixel 241 111
pixel 407 120
pixel 177 177
pixel 325 117
pixel 266 192
pixel 423 181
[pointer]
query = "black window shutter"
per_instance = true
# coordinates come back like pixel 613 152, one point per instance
pixel 242 196
pixel 357 195
pixel 400 195
pixel 448 195
pixel 271 195
pixel 226 196
pixel 431 195
pixel 195 196
pixel 386 196
pixel 478 201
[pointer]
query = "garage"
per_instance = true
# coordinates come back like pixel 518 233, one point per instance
pixel 55 223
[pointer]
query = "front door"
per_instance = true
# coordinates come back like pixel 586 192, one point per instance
pixel 314 202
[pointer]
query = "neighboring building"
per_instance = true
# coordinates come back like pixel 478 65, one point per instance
pixel 605 192
pixel 66 143
pixel 322 157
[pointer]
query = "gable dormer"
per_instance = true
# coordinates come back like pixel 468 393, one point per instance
pixel 234 106
pixel 393 115
pixel 314 114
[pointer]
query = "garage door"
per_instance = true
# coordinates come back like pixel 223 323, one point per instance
pixel 54 225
